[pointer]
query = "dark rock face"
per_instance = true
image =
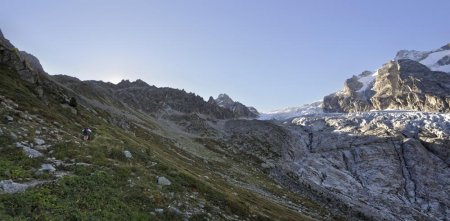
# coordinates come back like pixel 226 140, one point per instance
pixel 444 61
pixel 139 95
pixel 223 100
pixel 403 84
pixel 12 58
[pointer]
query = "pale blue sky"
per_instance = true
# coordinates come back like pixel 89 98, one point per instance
pixel 268 54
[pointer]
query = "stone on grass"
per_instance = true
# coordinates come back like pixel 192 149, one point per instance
pixel 39 141
pixel 127 154
pixel 159 210
pixel 13 136
pixel 174 210
pixel 31 153
pixel 8 119
pixel 46 167
pixel 10 186
pixel 164 181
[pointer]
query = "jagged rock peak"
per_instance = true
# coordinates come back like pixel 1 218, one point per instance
pixel 136 83
pixel 211 100
pixel 224 98
pixel 5 42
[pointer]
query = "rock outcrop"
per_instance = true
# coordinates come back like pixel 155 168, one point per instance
pixel 11 57
pixel 409 85
pixel 413 81
pixel 223 100
pixel 355 97
pixel 402 85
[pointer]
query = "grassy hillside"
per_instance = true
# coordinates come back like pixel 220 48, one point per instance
pixel 94 180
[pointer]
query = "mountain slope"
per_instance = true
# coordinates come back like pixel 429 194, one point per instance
pixel 151 158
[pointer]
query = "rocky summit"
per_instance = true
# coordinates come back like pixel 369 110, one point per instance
pixel 413 81
pixel 167 154
pixel 223 100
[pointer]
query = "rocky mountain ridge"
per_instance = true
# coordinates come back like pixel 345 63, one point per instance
pixel 414 81
pixel 150 99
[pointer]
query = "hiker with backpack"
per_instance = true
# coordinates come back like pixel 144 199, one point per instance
pixel 87 133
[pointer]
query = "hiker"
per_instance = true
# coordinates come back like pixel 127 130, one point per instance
pixel 87 132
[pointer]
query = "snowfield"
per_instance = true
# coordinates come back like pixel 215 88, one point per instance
pixel 284 114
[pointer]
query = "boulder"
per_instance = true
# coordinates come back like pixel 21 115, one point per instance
pixel 28 151
pixel 39 141
pixel 8 119
pixel 163 181
pixel 47 168
pixel 127 154
pixel 10 186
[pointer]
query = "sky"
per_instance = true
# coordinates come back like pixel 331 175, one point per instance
pixel 269 54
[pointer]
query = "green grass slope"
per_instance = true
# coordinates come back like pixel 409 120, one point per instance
pixel 95 181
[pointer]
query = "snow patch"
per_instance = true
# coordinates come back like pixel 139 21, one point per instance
pixel 432 59
pixel 367 81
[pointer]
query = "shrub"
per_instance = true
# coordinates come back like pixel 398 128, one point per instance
pixel 73 102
